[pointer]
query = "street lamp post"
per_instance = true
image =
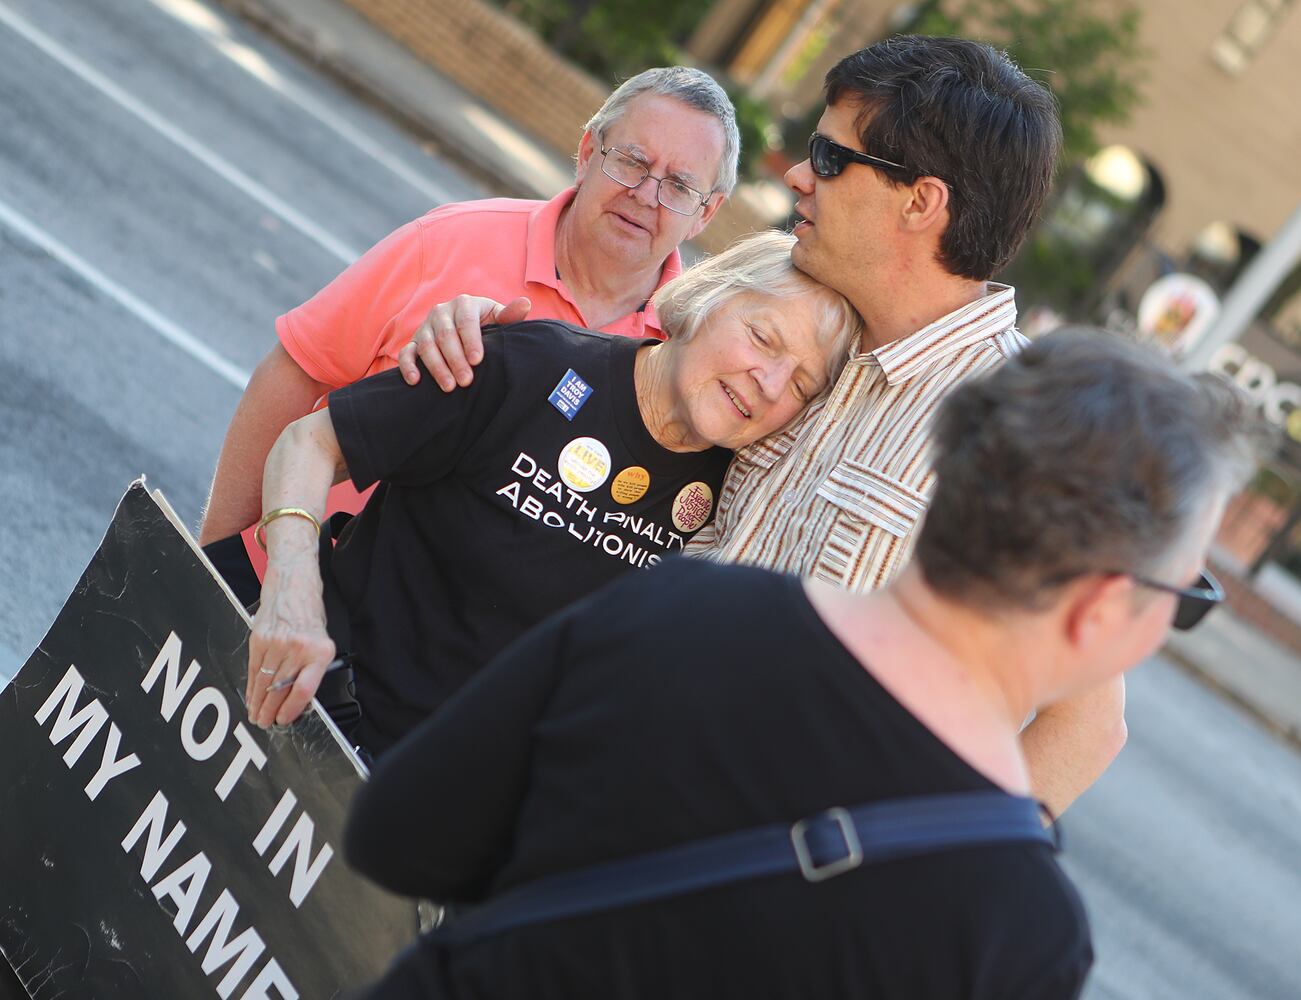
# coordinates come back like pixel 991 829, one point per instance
pixel 1258 281
pixel 1250 292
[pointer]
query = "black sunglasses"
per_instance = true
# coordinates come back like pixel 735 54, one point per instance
pixel 829 158
pixel 1194 601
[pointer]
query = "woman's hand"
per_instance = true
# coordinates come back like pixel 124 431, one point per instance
pixel 289 638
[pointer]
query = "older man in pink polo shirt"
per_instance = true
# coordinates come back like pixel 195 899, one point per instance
pixel 591 256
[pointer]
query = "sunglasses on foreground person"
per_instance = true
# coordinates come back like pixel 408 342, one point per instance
pixel 1193 602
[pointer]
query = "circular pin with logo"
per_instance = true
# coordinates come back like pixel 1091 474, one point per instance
pixel 584 464
pixel 692 505
pixel 630 485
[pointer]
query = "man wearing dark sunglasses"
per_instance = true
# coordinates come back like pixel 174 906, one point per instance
pixel 926 171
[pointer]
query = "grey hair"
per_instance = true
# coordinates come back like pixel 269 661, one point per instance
pixel 761 265
pixel 1084 453
pixel 694 88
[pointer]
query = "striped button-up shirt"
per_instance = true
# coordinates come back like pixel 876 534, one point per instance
pixel 839 494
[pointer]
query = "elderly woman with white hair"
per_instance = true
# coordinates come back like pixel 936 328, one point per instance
pixel 572 458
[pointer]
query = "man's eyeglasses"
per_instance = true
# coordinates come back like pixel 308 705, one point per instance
pixel 631 173
pixel 1194 601
pixel 830 158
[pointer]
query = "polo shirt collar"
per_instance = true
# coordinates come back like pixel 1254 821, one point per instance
pixel 966 326
pixel 540 251
pixel 540 244
pixel 671 269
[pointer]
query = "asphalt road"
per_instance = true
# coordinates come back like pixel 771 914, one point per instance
pixel 170 182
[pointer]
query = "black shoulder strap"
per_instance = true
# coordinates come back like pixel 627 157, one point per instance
pixel 818 847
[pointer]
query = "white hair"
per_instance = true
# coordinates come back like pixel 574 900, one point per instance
pixel 761 265
pixel 694 88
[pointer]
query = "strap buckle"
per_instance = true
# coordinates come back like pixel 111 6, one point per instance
pixel 814 872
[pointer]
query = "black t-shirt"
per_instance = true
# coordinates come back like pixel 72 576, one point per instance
pixel 499 504
pixel 676 705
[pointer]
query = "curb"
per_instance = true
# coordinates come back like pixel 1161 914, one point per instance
pixel 1287 732
pixel 283 21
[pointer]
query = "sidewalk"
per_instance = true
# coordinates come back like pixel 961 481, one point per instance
pixel 466 131
pixel 1250 649
pixel 1243 663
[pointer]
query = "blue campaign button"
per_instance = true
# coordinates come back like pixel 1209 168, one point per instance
pixel 570 394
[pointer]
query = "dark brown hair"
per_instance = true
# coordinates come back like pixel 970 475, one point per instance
pixel 1084 453
pixel 964 112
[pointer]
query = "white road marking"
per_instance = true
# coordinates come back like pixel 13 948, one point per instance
pixel 213 29
pixel 210 159
pixel 150 316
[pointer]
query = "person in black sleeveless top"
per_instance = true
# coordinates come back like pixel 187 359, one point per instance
pixel 1078 489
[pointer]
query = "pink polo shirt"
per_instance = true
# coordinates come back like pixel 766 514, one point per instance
pixel 500 248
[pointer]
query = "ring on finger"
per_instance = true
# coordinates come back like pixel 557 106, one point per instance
pixel 264 670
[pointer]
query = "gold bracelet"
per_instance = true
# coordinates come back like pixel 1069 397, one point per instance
pixel 260 532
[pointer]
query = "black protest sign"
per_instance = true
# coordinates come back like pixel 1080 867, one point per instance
pixel 153 843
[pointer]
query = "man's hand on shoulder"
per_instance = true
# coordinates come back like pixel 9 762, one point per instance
pixel 450 340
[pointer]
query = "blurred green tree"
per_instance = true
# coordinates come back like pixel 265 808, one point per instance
pixel 612 39
pixel 616 39
pixel 1087 51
